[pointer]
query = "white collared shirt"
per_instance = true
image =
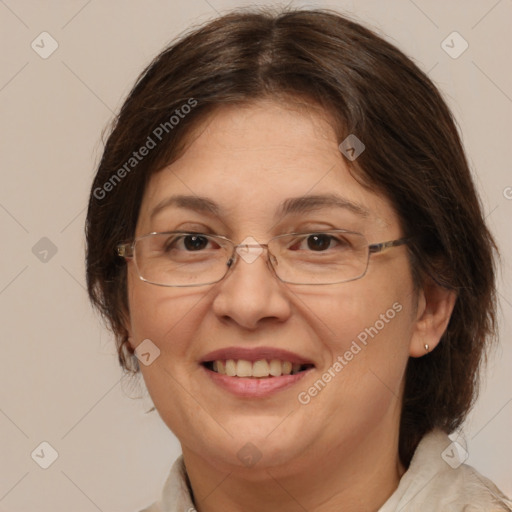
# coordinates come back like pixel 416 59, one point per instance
pixel 434 482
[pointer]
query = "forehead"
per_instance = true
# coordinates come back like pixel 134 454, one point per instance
pixel 250 160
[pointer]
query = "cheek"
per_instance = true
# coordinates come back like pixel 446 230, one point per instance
pixel 368 330
pixel 372 344
pixel 362 384
pixel 166 316
pixel 170 319
pixel 356 312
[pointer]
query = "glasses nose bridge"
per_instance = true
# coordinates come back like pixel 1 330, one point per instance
pixel 250 258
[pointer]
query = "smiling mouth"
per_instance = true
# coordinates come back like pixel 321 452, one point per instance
pixel 263 368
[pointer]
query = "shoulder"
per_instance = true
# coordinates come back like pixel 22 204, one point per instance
pixel 437 479
pixel 466 490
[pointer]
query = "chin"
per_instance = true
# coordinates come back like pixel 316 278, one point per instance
pixel 251 451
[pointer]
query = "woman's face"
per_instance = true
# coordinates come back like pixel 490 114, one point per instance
pixel 357 335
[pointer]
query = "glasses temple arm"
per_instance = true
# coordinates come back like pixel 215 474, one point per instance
pixel 387 245
pixel 125 250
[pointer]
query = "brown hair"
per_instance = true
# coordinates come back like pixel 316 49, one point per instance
pixel 413 155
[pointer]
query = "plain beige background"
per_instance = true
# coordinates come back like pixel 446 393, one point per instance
pixel 60 380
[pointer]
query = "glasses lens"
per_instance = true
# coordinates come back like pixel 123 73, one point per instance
pixel 193 259
pixel 181 259
pixel 320 258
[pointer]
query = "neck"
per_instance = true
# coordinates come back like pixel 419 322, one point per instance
pixel 354 476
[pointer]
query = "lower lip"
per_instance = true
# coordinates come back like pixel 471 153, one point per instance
pixel 255 387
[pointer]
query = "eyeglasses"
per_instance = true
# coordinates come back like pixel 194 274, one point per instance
pixel 180 258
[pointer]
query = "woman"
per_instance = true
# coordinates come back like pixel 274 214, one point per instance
pixel 284 231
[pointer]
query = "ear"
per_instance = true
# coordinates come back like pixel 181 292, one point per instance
pixel 126 323
pixel 128 327
pixel 435 307
pixel 125 314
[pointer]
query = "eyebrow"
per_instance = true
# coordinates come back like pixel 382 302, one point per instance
pixel 289 206
pixel 314 202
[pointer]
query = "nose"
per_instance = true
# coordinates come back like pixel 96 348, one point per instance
pixel 251 294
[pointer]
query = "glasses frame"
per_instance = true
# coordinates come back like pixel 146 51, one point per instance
pixel 126 250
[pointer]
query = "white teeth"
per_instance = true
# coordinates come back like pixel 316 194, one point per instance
pixel 230 368
pixel 221 368
pixel 243 368
pixel 276 368
pixel 260 368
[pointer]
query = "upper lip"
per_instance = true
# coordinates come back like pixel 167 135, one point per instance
pixel 254 354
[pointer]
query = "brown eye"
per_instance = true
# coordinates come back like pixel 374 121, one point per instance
pixel 319 242
pixel 195 242
pixel 189 243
